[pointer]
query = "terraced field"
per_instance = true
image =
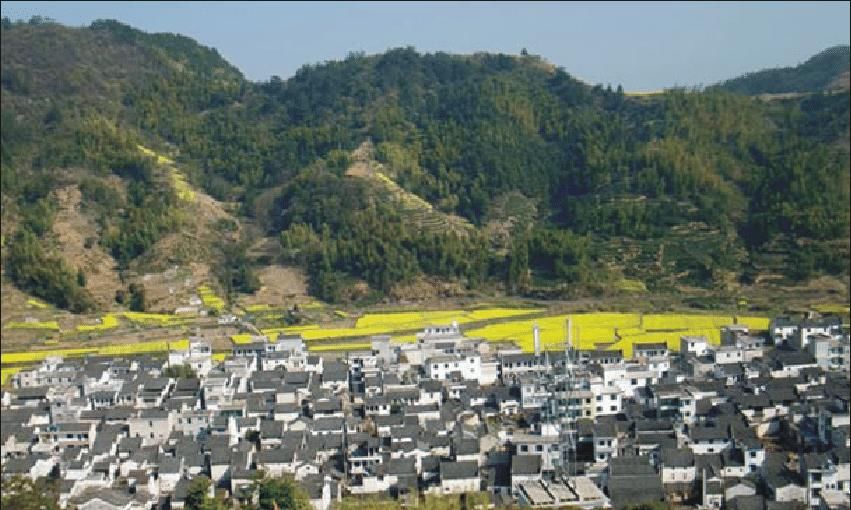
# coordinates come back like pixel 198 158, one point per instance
pixel 387 323
pixel 614 331
pixel 129 349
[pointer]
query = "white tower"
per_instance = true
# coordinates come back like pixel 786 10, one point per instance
pixel 536 338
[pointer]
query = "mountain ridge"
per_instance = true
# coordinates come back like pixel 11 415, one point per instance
pixel 823 72
pixel 558 179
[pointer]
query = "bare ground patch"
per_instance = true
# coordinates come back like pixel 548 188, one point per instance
pixel 279 286
pixel 72 229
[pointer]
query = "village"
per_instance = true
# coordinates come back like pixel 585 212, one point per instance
pixel 754 423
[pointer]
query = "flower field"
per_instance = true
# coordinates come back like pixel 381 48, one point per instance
pixel 415 320
pixel 111 350
pixel 220 356
pixel 108 321
pixel 387 323
pixel 340 347
pixel 209 298
pixel 46 325
pixel 35 303
pixel 6 373
pixel 623 331
pixel 835 308
pixel 156 319
pixel 143 347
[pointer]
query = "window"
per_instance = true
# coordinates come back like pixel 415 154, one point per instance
pixel 752 454
pixel 633 381
pixel 599 409
pixel 614 408
pixel 601 443
pixel 599 398
pixel 587 400
pixel 524 448
pixel 539 448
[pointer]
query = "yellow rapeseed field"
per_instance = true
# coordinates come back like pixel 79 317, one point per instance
pixel 29 356
pixel 48 325
pixel 6 373
pixel 340 347
pixel 209 298
pixel 35 303
pixel 620 329
pixel 220 356
pixel 108 321
pixel 111 350
pixel 160 319
pixel 143 347
pixel 836 308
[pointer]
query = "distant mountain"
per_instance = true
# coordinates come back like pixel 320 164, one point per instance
pixel 825 71
pixel 377 173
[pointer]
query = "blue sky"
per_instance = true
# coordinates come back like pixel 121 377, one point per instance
pixel 643 46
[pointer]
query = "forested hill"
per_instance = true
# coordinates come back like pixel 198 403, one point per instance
pixel 481 171
pixel 825 71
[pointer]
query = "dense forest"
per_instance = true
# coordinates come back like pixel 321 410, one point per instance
pixel 822 72
pixel 700 185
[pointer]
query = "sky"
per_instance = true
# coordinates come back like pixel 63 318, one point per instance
pixel 644 46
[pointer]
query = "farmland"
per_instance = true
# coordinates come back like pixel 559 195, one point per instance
pixel 128 349
pixel 387 323
pixel 613 330
pixel 125 333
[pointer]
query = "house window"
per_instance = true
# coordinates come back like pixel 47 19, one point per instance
pixel 539 448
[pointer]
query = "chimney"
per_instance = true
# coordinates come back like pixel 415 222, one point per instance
pixel 536 338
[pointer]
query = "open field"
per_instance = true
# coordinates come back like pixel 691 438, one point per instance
pixel 615 331
pixel 387 323
pixel 127 349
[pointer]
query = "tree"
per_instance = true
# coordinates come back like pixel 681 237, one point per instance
pixel 81 278
pixel 281 494
pixel 518 266
pixel 137 297
pixel 21 493
pixel 197 496
pixel 180 372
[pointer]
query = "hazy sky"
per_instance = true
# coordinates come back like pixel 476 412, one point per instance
pixel 644 46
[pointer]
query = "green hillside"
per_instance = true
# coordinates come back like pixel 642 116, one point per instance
pixel 827 70
pixel 496 171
